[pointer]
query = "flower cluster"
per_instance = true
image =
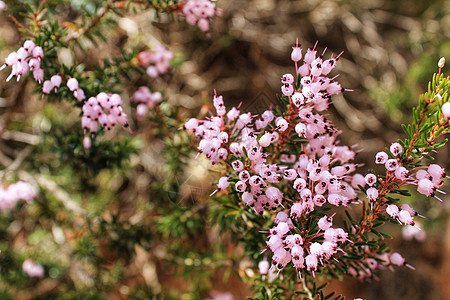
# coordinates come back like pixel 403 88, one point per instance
pixel 3 6
pixel 157 62
pixel 268 174
pixel 199 12
pixel 32 268
pixel 427 180
pixel 301 251
pixel 146 100
pixel 15 192
pixel 26 58
pixel 104 109
pixel 317 176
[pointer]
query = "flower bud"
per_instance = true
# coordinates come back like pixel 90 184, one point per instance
pixel 56 80
pixel 263 267
pixel 72 84
pixel 397 259
pixel 441 62
pixel 47 87
pixel 86 142
pixel 296 54
pixel 265 140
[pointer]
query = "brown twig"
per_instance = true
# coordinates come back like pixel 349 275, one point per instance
pixel 20 25
pixel 61 194
pixel 15 164
pixel 95 22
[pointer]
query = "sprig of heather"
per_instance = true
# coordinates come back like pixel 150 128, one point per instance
pixel 104 109
pixel 405 166
pixel 300 186
pixel 296 184
pixel 157 64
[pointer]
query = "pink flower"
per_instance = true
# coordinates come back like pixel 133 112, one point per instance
pixel 274 194
pixel 223 183
pixel 311 262
pixel 325 222
pixel 3 6
pixel 38 75
pixel 287 89
pixel 401 173
pixel 72 84
pixel 381 158
pixel 38 52
pixel 372 194
pixel 86 142
pixel 425 187
pixel 296 54
pixel 391 164
pixel 397 259
pixel 47 87
pixel 29 46
pixel 32 268
pixel 263 267
pixel 396 149
pixel 436 171
pixel 370 179
pixel 405 217
pixel 310 56
pixel 392 210
pixel 265 140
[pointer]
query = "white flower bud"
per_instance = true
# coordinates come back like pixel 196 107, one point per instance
pixel 441 62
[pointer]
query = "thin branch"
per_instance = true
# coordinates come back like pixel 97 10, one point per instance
pixel 22 137
pixel 305 287
pixel 18 24
pixel 61 194
pixel 15 164
pixel 5 160
pixel 92 26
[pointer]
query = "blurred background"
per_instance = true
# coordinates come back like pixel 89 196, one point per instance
pixel 391 50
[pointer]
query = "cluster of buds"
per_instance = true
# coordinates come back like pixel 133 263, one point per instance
pixel 104 109
pixel 26 58
pixel 15 192
pixel 32 268
pixel 200 12
pixel 146 100
pixel 157 61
